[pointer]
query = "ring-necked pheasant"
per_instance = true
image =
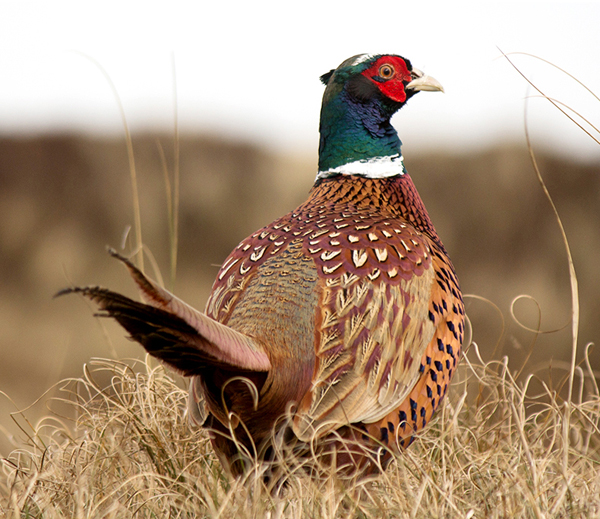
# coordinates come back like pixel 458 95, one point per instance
pixel 345 314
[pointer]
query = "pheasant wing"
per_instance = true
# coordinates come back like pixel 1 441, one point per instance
pixel 373 327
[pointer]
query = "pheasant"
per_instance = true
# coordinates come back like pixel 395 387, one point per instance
pixel 340 323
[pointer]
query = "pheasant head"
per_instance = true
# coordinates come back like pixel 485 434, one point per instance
pixel 362 95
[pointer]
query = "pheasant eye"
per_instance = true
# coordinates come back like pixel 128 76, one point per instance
pixel 386 71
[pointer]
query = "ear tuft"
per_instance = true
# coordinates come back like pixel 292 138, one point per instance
pixel 327 76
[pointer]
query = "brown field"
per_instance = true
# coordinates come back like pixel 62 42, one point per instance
pixel 63 199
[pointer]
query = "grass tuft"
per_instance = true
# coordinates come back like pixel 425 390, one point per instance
pixel 505 451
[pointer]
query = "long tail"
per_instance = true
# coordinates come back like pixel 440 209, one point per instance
pixel 173 331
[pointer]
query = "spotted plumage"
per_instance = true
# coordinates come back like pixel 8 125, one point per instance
pixel 345 315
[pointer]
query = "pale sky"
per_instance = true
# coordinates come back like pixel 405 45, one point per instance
pixel 250 69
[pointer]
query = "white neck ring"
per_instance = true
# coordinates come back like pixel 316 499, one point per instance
pixel 377 167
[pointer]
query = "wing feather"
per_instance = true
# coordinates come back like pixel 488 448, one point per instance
pixel 373 332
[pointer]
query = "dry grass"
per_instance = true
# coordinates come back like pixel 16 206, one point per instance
pixel 502 451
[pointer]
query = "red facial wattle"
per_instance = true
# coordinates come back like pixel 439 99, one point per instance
pixel 393 86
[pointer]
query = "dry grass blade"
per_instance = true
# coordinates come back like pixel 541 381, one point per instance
pixel 583 85
pixel 553 101
pixel 572 274
pixel 137 217
pixel 172 187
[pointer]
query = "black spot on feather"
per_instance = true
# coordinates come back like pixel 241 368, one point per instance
pixel 402 417
pixel 384 434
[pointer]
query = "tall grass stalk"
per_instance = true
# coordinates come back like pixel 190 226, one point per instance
pixel 137 218
pixel 172 187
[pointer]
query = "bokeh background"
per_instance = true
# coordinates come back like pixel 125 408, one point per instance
pixel 240 82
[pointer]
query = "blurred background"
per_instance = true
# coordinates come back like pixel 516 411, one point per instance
pixel 240 82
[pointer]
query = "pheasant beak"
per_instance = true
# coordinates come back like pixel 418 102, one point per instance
pixel 423 82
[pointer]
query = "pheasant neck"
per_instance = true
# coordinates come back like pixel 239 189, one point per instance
pixel 357 138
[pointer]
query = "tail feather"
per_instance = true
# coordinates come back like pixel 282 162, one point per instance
pixel 173 331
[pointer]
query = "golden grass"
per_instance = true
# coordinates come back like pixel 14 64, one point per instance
pixel 495 449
